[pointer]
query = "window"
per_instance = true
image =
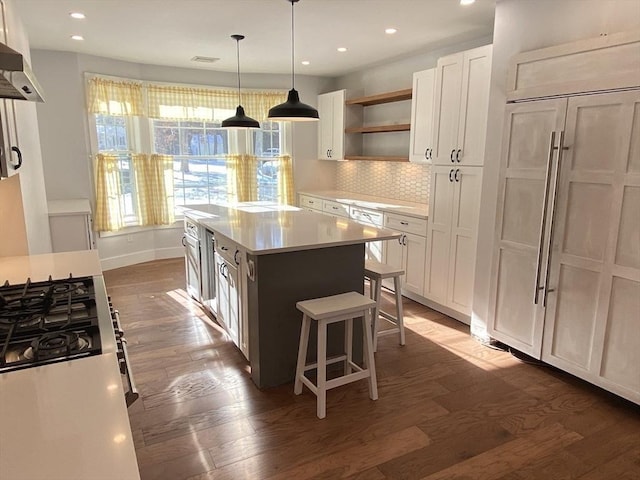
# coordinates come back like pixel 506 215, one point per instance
pixel 267 144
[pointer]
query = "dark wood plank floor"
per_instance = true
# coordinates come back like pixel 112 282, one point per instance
pixel 449 407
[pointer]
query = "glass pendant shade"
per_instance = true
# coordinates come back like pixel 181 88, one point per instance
pixel 239 120
pixel 293 109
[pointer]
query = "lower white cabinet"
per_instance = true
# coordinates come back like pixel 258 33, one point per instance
pixel 408 251
pixel 452 235
pixel 372 250
pixel 71 225
pixel 310 203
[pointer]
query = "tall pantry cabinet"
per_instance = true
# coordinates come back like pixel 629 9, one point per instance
pixel 459 128
pixel 565 282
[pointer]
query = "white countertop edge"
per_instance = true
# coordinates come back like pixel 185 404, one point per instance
pixel 400 207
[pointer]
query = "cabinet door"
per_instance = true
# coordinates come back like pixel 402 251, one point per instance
pixel 233 318
pixel 439 233
pixel 474 105
pixel 223 291
pixel 592 323
pixel 421 135
pixel 331 109
pixel 446 108
pixel 394 256
pixel 414 260
pixel 464 231
pixel 515 318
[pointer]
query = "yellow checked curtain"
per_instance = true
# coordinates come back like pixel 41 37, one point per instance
pixel 286 191
pixel 242 178
pixel 154 186
pixel 109 207
pixel 115 97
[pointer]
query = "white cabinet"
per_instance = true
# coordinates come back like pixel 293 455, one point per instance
pixel 71 225
pixel 566 266
pixel 331 109
pixel 451 236
pixel 310 203
pixel 372 250
pixel 335 209
pixel 408 251
pixel 422 101
pixel 461 106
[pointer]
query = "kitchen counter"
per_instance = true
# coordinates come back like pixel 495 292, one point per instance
pixel 266 227
pixel 419 210
pixel 66 420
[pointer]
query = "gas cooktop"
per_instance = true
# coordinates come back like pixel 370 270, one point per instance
pixel 46 322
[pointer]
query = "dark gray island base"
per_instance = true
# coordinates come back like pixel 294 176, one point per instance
pixel 282 279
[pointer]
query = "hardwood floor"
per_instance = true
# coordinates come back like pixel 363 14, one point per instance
pixel 449 407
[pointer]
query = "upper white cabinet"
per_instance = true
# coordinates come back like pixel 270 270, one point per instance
pixel 333 144
pixel 421 136
pixel 451 236
pixel 461 106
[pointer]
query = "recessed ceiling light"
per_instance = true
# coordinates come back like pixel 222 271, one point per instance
pixel 77 15
pixel 466 2
pixel 342 49
pixel 77 37
pixel 305 62
pixel 390 31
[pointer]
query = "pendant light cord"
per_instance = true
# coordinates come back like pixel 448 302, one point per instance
pixel 293 41
pixel 238 56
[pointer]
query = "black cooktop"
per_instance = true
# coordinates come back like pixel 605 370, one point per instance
pixel 46 322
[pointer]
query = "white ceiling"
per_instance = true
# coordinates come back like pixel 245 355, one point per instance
pixel 171 32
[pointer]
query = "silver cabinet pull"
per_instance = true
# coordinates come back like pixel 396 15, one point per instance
pixel 556 186
pixel 543 219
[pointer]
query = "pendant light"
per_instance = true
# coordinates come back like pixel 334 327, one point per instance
pixel 293 109
pixel 239 120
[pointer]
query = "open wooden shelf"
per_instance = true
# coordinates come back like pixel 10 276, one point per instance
pixel 376 158
pixel 388 97
pixel 403 127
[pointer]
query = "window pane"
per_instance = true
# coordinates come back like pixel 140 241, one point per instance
pixel 266 140
pixel 268 171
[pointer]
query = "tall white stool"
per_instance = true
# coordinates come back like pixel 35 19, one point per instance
pixel 376 272
pixel 337 308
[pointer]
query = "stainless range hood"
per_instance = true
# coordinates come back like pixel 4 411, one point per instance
pixel 16 78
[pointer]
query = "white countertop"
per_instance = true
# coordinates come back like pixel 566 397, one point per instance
pixel 64 421
pixel 266 227
pixel 420 210
pixel 59 265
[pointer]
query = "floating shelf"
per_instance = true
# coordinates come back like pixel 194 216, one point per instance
pixel 388 97
pixel 403 127
pixel 377 158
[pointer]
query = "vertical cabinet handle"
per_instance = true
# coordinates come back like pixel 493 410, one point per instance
pixel 451 156
pixel 456 175
pixel 543 219
pixel 184 241
pixel 451 175
pixel 458 152
pixel 19 154
pixel 404 239
pixel 426 154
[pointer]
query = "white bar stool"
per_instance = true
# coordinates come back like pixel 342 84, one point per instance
pixel 337 308
pixel 376 272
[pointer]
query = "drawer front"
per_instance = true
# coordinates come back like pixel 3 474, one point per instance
pixel 369 217
pixel 228 250
pixel 335 208
pixel 414 225
pixel 310 202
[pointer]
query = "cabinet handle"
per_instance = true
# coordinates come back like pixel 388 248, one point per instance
pixel 224 248
pixel 426 154
pixel 458 152
pixel 451 156
pixel 456 176
pixel 235 257
pixel 19 154
pixel 400 239
pixel 543 219
pixel 404 239
pixel 404 223
pixel 184 241
pixel 451 175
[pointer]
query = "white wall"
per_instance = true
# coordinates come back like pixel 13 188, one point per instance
pixel 522 25
pixel 66 145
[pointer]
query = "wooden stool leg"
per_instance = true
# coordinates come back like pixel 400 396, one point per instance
pixel 370 363
pixel 322 369
pixel 376 314
pixel 348 345
pixel 399 315
pixel 302 353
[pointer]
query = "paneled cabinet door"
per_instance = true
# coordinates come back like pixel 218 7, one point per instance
pixel 331 109
pixel 516 315
pixel 461 107
pixel 421 135
pixel 592 323
pixel 415 253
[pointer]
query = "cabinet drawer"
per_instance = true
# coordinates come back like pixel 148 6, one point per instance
pixel 369 217
pixel 310 202
pixel 414 225
pixel 335 208
pixel 228 250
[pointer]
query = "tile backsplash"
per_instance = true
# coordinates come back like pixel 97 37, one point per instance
pixel 397 180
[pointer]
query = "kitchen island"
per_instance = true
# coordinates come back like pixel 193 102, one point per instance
pixel 285 255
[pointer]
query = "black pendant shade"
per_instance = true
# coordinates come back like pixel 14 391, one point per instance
pixel 239 120
pixel 293 109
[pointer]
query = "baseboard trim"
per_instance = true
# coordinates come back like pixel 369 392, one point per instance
pixel 461 317
pixel 140 257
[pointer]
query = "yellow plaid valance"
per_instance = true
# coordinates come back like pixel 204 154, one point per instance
pixel 115 97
